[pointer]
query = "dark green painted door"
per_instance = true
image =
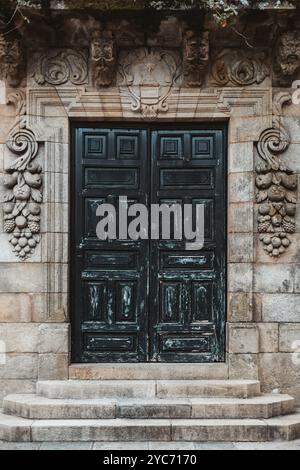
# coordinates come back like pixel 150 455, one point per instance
pixel 147 300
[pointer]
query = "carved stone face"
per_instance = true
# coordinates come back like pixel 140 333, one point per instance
pixel 10 60
pixel 288 52
pixel 102 50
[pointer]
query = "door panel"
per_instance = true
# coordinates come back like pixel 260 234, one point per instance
pixel 148 300
pixel 109 277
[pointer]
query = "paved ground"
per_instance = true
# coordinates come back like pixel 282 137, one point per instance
pixel 278 445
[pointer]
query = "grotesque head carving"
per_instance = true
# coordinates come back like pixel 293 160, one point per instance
pixel 103 57
pixel 288 52
pixel 10 60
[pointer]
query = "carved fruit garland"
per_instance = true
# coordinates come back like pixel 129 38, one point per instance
pixel 277 192
pixel 23 182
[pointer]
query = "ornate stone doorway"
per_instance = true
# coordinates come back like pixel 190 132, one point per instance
pixel 148 299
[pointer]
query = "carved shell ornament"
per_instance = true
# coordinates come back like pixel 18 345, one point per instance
pixel 23 182
pixel 149 76
pixel 276 191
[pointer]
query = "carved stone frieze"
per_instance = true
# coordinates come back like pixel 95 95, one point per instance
pixel 287 53
pixel 11 61
pixel 57 67
pixel 276 186
pixel 102 58
pixel 23 182
pixel 149 76
pixel 195 57
pixel 240 67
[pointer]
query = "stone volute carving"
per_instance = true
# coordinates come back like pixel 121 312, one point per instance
pixel 23 182
pixel 149 76
pixel 195 57
pixel 240 67
pixel 11 61
pixel 102 58
pixel 56 67
pixel 276 186
pixel 287 53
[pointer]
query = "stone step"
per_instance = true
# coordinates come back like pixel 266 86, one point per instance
pixel 20 429
pixel 148 371
pixel 81 389
pixel 36 407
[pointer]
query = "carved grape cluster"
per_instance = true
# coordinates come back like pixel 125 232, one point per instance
pixel 276 196
pixel 21 208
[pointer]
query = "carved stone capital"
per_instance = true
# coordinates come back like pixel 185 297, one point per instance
pixel 240 67
pixel 276 186
pixel 11 61
pixel 195 57
pixel 23 182
pixel 102 58
pixel 287 53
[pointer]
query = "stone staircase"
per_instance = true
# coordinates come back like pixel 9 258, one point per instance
pixel 149 402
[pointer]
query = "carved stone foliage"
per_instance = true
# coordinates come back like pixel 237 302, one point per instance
pixel 102 58
pixel 11 61
pixel 149 76
pixel 56 67
pixel 195 57
pixel 240 67
pixel 276 188
pixel 287 52
pixel 23 182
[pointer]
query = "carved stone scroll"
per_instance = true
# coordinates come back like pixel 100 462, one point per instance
pixel 57 67
pixel 276 186
pixel 240 67
pixel 23 182
pixel 149 76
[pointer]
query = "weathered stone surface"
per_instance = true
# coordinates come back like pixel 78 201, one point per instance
pixel 273 278
pixel 239 277
pixel 53 366
pixel 279 371
pixel 212 388
pixel 243 338
pixel 281 307
pixel 241 157
pixel 20 337
pixel 54 338
pixel 240 217
pixel 19 366
pixel 49 308
pixel 241 187
pixel 243 366
pixel 104 430
pixel 34 407
pixel 240 307
pixel 14 429
pixel 289 337
pixel 241 248
pixel 151 409
pixel 15 308
pixel 83 389
pixel 148 371
pixel 268 337
pixel 11 386
pixel 22 277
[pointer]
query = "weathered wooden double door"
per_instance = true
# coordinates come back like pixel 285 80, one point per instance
pixel 147 300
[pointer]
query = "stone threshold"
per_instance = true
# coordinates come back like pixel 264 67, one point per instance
pixel 149 371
